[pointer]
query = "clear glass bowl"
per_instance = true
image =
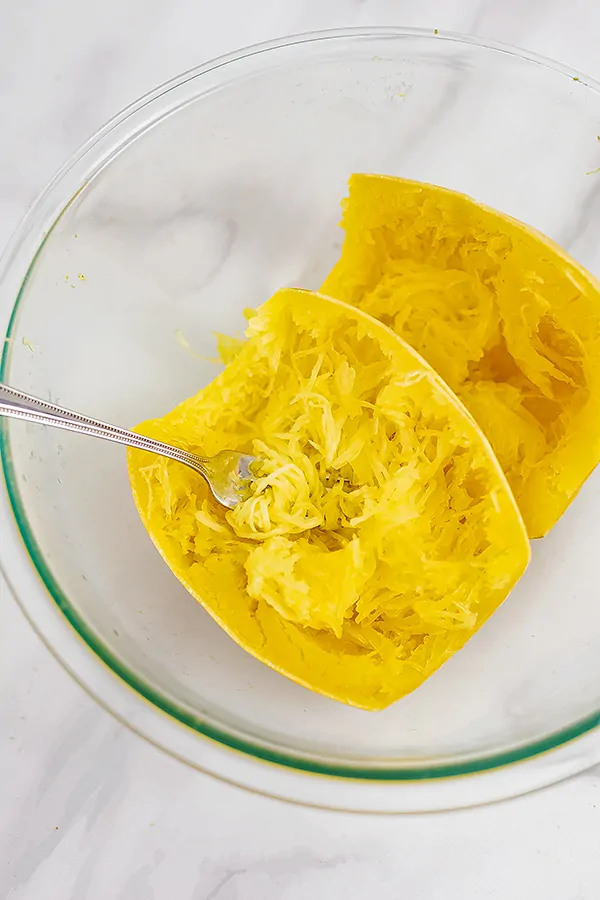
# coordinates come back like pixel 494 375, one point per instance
pixel 199 200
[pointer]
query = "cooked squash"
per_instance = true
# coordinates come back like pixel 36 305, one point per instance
pixel 379 532
pixel 510 322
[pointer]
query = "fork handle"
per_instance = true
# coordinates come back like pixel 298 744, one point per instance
pixel 17 405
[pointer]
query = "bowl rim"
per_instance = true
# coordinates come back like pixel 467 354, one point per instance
pixel 17 535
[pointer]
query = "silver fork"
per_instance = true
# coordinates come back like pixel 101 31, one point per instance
pixel 226 473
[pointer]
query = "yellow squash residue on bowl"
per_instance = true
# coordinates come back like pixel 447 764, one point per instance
pixel 380 532
pixel 509 321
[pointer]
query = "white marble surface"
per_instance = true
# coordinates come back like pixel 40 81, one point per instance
pixel 88 811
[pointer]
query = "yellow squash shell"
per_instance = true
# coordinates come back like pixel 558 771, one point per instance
pixel 380 532
pixel 510 322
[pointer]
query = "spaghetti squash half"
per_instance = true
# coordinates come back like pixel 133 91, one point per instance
pixel 510 322
pixel 379 532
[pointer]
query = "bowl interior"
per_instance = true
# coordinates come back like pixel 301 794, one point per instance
pixel 204 202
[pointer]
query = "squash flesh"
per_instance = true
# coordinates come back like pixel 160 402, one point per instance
pixel 509 321
pixel 379 533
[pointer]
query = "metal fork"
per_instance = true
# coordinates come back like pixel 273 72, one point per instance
pixel 225 473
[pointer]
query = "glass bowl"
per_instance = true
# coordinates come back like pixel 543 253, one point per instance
pixel 201 199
